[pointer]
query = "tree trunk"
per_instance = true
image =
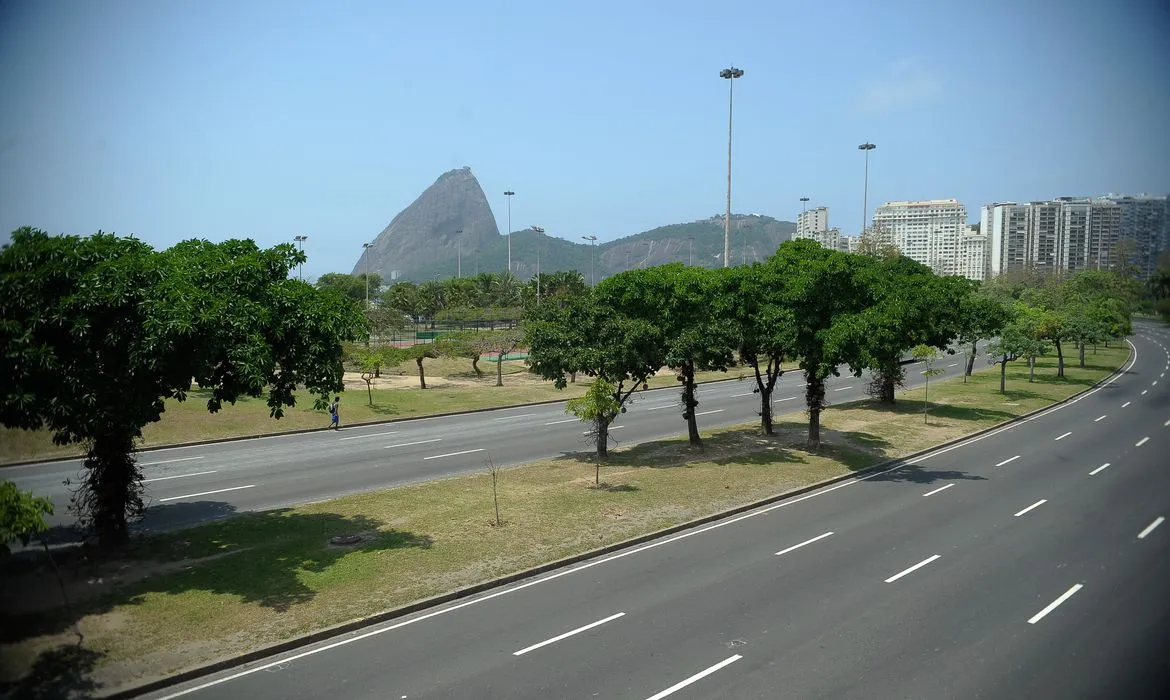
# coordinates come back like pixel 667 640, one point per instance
pixel 971 360
pixel 1031 369
pixel 1082 350
pixel 370 391
pixel 602 446
pixel 690 403
pixel 765 389
pixel 814 398
pixel 1003 375
pixel 1059 359
pixel 110 494
pixel 422 379
pixel 475 366
pixel 500 369
pixel 925 399
pixel 572 377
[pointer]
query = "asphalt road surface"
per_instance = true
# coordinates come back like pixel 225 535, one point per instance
pixel 188 485
pixel 1030 562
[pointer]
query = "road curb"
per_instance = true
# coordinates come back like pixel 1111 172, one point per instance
pixel 303 431
pixel 470 591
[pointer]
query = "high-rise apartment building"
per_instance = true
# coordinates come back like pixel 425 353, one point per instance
pixel 811 222
pixel 974 254
pixel 927 231
pixel 1074 233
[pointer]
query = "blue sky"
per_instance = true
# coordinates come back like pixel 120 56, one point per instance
pixel 265 118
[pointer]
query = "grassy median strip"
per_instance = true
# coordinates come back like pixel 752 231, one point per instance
pixel 452 386
pixel 183 599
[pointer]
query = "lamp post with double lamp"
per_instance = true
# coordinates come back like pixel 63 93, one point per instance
pixel 509 194
pixel 730 74
pixel 867 147
pixel 366 260
pixel 592 254
pixel 539 231
pixel 803 203
pixel 301 248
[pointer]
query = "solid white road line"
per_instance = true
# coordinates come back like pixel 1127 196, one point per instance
pixel 612 427
pixel 455 454
pixel 912 569
pixel 843 388
pixel 567 420
pixel 1037 504
pixel 408 444
pixel 362 437
pixel 1008 461
pixel 169 461
pixel 698 676
pixel 206 493
pixel 1065 435
pixel 177 476
pixel 1150 528
pixel 707 413
pixel 798 546
pixel 1103 467
pixel 954 365
pixel 1126 404
pixel 1099 418
pixel 570 633
pixel 790 398
pixel 736 396
pixel 944 488
pixel 1053 605
pixel 519 415
pixel 1141 442
pixel 659 408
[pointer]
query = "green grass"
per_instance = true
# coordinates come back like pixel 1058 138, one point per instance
pixel 186 598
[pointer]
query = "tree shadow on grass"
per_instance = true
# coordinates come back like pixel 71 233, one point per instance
pixel 383 410
pixel 614 488
pixel 259 558
pixel 63 673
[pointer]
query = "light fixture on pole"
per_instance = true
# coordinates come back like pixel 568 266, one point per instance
pixel 509 194
pixel 803 202
pixel 867 147
pixel 366 259
pixel 730 74
pixel 538 230
pixel 592 254
pixel 301 248
pixel 690 251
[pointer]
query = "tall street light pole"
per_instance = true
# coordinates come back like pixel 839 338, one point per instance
pixel 867 147
pixel 592 254
pixel 509 194
pixel 690 251
pixel 366 259
pixel 301 248
pixel 803 203
pixel 538 230
pixel 730 74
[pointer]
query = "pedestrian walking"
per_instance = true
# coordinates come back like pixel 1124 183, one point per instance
pixel 334 410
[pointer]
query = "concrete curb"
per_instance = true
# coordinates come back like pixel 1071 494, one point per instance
pixel 434 601
pixel 303 431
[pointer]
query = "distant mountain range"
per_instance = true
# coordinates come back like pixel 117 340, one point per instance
pixel 450 229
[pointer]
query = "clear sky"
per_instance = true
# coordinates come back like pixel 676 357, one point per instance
pixel 267 118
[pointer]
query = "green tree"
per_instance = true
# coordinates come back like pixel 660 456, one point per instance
pixel 404 297
pixel 764 328
pixel 501 343
pixel 420 352
pixel 980 317
pixel 675 300
pixel 581 334
pixel 929 355
pixel 823 294
pixel 468 344
pixel 22 516
pixel 351 286
pixel 98 331
pixel 597 408
pixel 1020 338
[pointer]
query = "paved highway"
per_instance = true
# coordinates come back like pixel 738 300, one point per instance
pixel 1030 562
pixel 192 484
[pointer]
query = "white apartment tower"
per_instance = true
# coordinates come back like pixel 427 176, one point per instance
pixel 1145 220
pixel 974 254
pixel 1065 234
pixel 927 231
pixel 812 221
